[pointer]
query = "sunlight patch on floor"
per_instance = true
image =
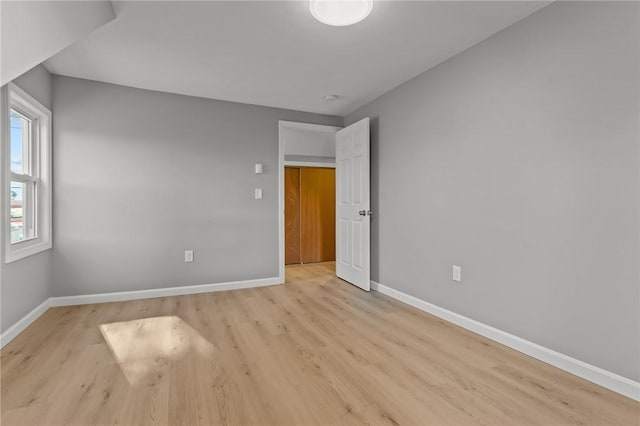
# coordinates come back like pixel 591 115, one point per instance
pixel 143 346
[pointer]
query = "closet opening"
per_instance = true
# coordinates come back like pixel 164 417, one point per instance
pixel 309 214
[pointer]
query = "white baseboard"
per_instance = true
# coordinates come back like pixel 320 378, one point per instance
pixel 604 378
pixel 122 296
pixel 23 323
pixel 87 299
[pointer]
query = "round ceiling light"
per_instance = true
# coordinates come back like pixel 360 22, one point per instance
pixel 340 13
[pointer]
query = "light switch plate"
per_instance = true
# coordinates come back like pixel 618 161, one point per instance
pixel 258 194
pixel 457 273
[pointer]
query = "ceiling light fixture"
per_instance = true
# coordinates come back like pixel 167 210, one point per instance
pixel 340 13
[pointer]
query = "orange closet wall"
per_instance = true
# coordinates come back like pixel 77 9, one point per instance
pixel 291 215
pixel 310 218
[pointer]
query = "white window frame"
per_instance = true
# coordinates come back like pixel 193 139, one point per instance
pixel 16 98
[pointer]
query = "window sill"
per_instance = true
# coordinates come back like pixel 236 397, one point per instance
pixel 16 253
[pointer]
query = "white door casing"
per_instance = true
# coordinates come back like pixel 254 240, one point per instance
pixel 353 215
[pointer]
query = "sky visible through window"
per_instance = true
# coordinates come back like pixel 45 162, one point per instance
pixel 16 151
pixel 16 143
pixel 17 189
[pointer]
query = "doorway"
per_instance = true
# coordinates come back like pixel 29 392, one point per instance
pixel 347 150
pixel 305 147
pixel 309 214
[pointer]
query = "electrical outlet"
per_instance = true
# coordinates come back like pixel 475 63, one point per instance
pixel 457 273
pixel 188 256
pixel 258 194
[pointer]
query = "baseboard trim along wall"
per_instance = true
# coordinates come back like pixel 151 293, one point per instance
pixel 123 296
pixel 604 378
pixel 24 322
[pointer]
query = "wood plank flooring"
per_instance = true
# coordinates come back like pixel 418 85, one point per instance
pixel 315 351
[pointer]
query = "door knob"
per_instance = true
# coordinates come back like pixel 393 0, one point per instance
pixel 365 213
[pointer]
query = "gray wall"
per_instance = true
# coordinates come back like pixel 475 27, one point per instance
pixel 519 160
pixel 26 283
pixel 140 176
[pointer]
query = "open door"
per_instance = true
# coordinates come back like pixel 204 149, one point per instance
pixel 353 215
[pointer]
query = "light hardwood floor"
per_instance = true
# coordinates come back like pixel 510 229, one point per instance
pixel 313 351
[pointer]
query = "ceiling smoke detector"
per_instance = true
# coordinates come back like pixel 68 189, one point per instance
pixel 331 98
pixel 340 13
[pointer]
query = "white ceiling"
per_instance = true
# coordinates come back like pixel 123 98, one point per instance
pixel 275 53
pixel 32 31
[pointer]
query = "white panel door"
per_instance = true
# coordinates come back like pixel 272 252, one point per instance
pixel 353 215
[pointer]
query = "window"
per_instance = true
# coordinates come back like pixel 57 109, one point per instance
pixel 28 176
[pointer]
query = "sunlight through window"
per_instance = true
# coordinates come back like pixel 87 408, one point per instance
pixel 142 346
